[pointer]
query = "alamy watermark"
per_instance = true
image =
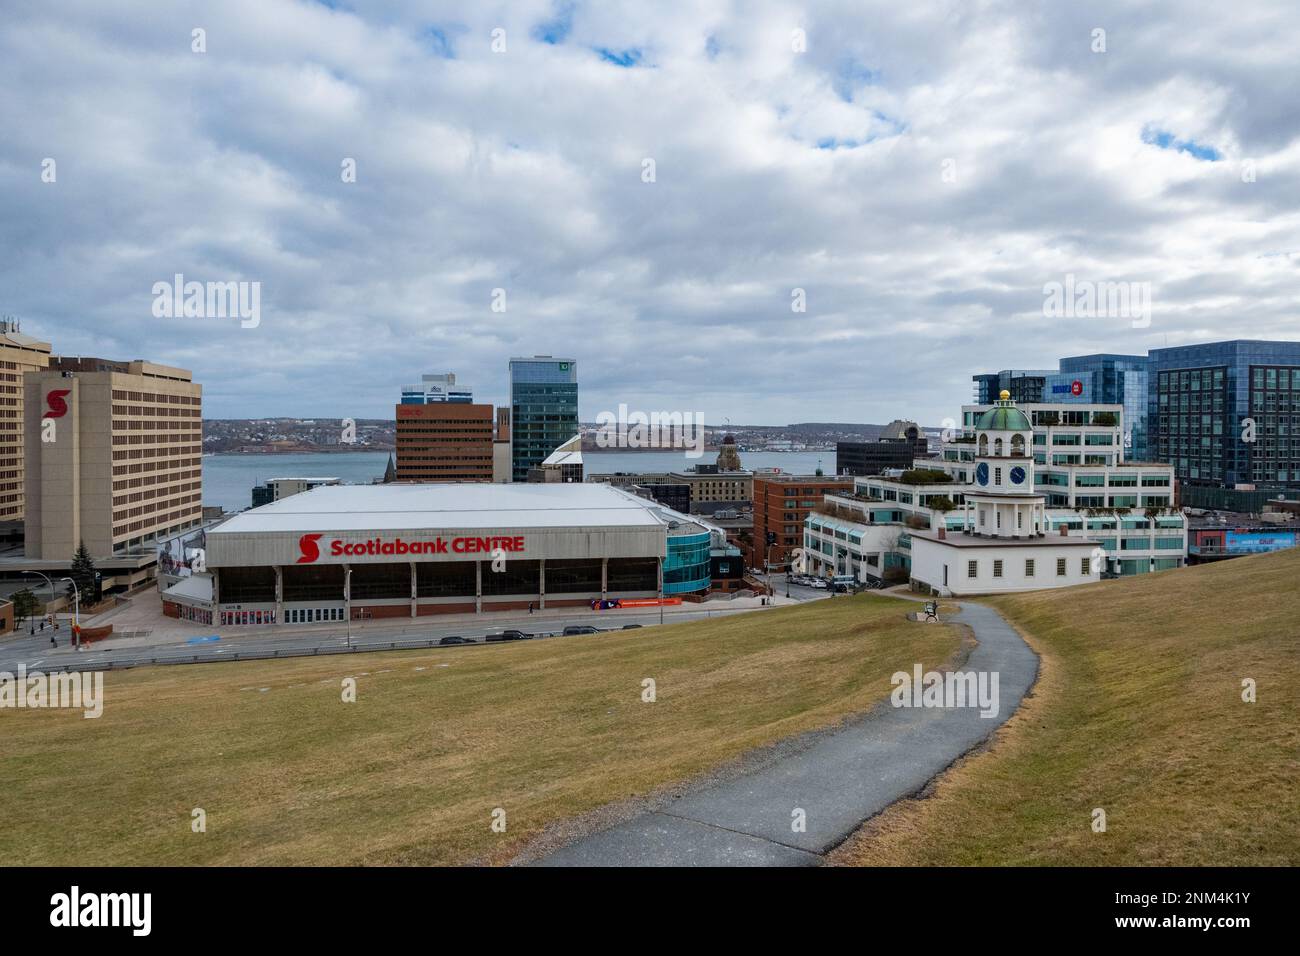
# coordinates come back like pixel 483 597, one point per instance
pixel 132 911
pixel 179 299
pixel 74 690
pixel 626 429
pixel 1085 299
pixel 953 689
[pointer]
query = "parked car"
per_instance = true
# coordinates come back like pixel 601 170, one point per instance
pixel 580 629
pixel 455 639
pixel 817 583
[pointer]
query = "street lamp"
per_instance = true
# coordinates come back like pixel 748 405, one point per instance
pixel 661 590
pixel 76 605
pixel 347 601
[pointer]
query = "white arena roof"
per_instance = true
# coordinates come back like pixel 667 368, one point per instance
pixel 400 507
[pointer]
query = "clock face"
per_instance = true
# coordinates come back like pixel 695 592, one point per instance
pixel 1017 475
pixel 982 473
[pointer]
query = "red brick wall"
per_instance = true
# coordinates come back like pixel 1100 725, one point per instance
pixel 381 610
pixel 427 609
pixel 770 512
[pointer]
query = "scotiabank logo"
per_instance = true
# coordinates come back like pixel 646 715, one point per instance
pixel 400 547
pixel 307 545
pixel 55 403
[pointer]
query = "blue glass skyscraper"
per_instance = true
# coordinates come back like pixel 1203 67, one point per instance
pixel 543 409
pixel 1101 379
pixel 1227 413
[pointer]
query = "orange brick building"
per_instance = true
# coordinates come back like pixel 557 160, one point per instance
pixel 445 441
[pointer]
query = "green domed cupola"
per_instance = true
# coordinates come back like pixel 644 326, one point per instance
pixel 1004 417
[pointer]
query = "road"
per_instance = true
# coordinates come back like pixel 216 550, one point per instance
pixel 839 779
pixel 35 652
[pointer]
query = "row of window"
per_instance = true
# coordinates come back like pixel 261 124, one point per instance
pixel 1085 567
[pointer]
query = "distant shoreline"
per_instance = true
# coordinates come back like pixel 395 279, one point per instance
pixel 335 450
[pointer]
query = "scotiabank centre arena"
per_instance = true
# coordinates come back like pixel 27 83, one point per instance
pixel 406 550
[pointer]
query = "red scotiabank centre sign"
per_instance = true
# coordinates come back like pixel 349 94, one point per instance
pixel 310 548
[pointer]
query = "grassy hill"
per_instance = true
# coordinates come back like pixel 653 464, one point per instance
pixel 410 773
pixel 1138 711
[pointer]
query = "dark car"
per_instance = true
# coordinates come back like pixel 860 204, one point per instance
pixel 455 639
pixel 628 627
pixel 509 636
pixel 580 629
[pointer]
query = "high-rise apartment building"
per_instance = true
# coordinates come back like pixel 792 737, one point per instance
pixel 113 456
pixel 19 354
pixel 543 409
pixel 445 441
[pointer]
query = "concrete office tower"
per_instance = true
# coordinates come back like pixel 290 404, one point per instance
pixel 444 441
pixel 113 455
pixel 543 409
pixel 501 448
pixel 19 354
pixel 437 388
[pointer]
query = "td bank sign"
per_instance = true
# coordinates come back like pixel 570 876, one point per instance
pixel 316 547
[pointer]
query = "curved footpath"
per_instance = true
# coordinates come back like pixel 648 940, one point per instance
pixel 843 778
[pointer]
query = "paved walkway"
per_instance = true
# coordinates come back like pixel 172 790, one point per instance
pixel 839 779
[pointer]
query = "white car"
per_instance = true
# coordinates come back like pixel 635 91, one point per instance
pixel 817 583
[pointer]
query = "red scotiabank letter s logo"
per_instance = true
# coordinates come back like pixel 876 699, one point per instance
pixel 307 545
pixel 58 407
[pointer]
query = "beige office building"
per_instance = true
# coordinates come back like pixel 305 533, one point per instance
pixel 113 456
pixel 19 354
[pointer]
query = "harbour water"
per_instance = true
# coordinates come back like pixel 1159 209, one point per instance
pixel 228 480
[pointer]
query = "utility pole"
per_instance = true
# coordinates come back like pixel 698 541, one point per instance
pixel 347 597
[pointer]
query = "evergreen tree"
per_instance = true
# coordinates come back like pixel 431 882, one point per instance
pixel 83 573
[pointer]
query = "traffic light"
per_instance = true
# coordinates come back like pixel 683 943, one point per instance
pixel 771 538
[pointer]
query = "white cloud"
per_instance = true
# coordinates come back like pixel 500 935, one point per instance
pixel 523 171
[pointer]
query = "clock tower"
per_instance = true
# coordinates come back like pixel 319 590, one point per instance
pixel 1002 503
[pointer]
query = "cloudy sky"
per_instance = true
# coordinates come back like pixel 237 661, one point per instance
pixel 919 170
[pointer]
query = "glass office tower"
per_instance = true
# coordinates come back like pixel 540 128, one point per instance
pixel 544 409
pixel 1025 385
pixel 1101 379
pixel 1110 380
pixel 1202 400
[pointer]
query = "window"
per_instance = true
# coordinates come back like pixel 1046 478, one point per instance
pixel 1060 567
pixel 972 569
pixel 1085 566
pixel 1029 567
pixel 997 568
